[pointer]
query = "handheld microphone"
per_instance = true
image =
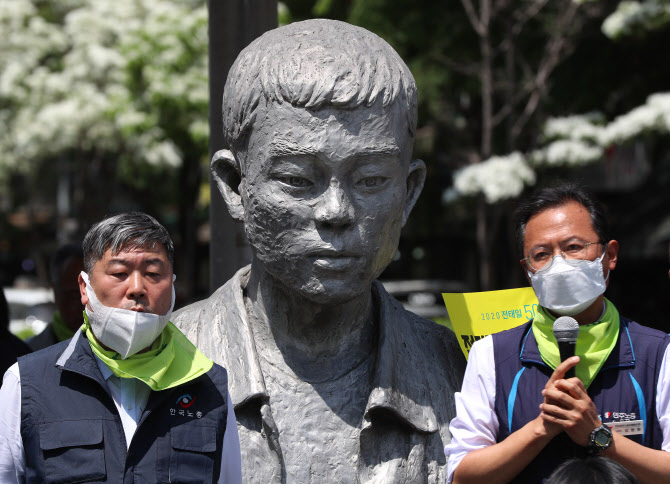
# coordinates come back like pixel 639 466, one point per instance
pixel 566 331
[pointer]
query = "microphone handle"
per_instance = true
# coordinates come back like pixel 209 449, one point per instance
pixel 567 349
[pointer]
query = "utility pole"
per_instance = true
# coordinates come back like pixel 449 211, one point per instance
pixel 233 24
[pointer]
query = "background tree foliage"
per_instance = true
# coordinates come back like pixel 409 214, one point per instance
pixel 104 107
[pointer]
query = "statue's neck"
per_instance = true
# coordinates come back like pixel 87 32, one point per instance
pixel 311 337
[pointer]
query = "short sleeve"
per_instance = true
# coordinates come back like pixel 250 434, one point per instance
pixel 663 399
pixel 12 456
pixel 476 424
pixel 231 460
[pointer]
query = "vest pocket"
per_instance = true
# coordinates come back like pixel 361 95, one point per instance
pixel 192 455
pixel 72 451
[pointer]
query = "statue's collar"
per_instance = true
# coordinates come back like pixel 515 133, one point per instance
pixel 399 387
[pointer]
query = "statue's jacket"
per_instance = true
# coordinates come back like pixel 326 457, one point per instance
pixel 406 421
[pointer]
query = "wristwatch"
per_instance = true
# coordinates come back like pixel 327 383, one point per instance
pixel 601 439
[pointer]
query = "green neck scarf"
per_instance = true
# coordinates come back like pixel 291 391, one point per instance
pixel 171 361
pixel 594 344
pixel 60 327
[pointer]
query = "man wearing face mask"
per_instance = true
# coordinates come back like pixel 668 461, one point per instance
pixel 518 416
pixel 128 398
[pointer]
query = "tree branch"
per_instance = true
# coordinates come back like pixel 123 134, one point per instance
pixel 486 79
pixel 555 51
pixel 476 23
pixel 519 22
pixel 471 69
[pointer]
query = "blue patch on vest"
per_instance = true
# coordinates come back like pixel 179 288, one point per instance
pixel 512 398
pixel 630 341
pixel 640 403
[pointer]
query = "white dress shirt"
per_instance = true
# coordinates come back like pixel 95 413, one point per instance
pixel 130 397
pixel 476 424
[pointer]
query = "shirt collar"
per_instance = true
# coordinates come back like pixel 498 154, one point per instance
pixel 79 357
pixel 104 369
pixel 395 390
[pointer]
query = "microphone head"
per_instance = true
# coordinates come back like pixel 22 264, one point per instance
pixel 566 329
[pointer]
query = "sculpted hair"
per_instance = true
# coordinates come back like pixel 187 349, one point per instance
pixel 125 231
pixel 62 255
pixel 313 64
pixel 558 196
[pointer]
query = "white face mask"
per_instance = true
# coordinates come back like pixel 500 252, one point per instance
pixel 568 288
pixel 122 330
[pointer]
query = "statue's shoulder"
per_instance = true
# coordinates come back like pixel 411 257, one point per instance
pixel 439 349
pixel 400 312
pixel 203 307
pixel 432 333
pixel 427 332
pixel 225 299
pixel 427 350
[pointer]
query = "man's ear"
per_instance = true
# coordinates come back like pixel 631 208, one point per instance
pixel 525 271
pixel 415 180
pixel 612 254
pixel 226 174
pixel 82 290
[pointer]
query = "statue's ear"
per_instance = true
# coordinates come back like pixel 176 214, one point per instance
pixel 415 180
pixel 226 174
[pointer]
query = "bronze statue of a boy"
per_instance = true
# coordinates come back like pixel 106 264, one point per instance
pixel 331 378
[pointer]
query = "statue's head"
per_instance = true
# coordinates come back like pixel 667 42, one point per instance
pixel 320 119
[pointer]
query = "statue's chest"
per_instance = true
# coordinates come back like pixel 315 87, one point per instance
pixel 319 423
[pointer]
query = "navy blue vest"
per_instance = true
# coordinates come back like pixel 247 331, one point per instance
pixel 72 430
pixel 624 389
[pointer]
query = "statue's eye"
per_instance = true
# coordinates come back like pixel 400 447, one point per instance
pixel 296 181
pixel 372 181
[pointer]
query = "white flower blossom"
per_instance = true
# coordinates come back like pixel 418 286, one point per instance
pixel 91 76
pixel 589 135
pixel 567 153
pixel 576 127
pixel 163 153
pixel 627 126
pixel 632 17
pixel 498 178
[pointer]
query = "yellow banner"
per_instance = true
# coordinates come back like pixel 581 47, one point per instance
pixel 478 314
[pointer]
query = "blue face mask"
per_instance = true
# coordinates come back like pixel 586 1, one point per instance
pixel 569 287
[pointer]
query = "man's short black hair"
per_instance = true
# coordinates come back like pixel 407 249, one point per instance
pixel 125 231
pixel 591 470
pixel 557 196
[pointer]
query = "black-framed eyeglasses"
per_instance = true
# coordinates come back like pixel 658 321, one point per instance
pixel 572 250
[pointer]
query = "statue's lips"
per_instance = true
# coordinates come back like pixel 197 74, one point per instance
pixel 334 260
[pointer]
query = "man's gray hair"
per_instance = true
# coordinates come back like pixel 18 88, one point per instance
pixel 125 231
pixel 313 64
